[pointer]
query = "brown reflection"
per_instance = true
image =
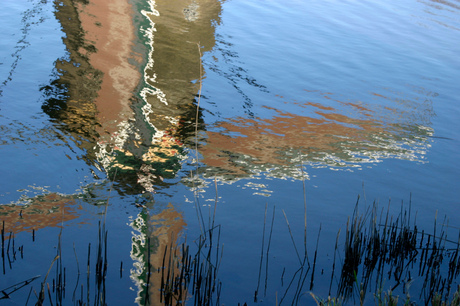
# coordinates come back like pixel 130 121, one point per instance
pixel 108 26
pixel 49 210
pixel 348 134
pixel 180 32
pixel 167 227
pixel 164 229
pixel 91 95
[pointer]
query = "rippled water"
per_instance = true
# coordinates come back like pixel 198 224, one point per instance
pixel 347 97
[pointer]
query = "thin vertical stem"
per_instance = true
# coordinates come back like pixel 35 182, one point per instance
pixel 261 252
pixel 292 237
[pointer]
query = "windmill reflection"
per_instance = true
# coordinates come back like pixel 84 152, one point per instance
pixel 177 30
pixel 346 135
pixel 49 210
pixel 128 101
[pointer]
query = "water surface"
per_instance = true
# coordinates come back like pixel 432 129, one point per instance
pixel 153 106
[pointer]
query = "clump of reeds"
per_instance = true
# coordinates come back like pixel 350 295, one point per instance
pixel 388 250
pixel 354 250
pixel 379 249
pixel 330 301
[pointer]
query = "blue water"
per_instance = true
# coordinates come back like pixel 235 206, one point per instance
pixel 362 96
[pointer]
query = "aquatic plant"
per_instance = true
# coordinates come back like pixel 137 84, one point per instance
pixel 395 252
pixel 384 255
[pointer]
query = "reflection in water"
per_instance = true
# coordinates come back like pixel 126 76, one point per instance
pixel 227 65
pixel 132 121
pixel 125 121
pixel 31 17
pixel 128 99
pixel 177 29
pixel 50 210
pixel 440 11
pixel 347 135
pixel 163 229
pixel 69 97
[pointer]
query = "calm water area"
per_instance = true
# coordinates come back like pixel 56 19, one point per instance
pixel 160 118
